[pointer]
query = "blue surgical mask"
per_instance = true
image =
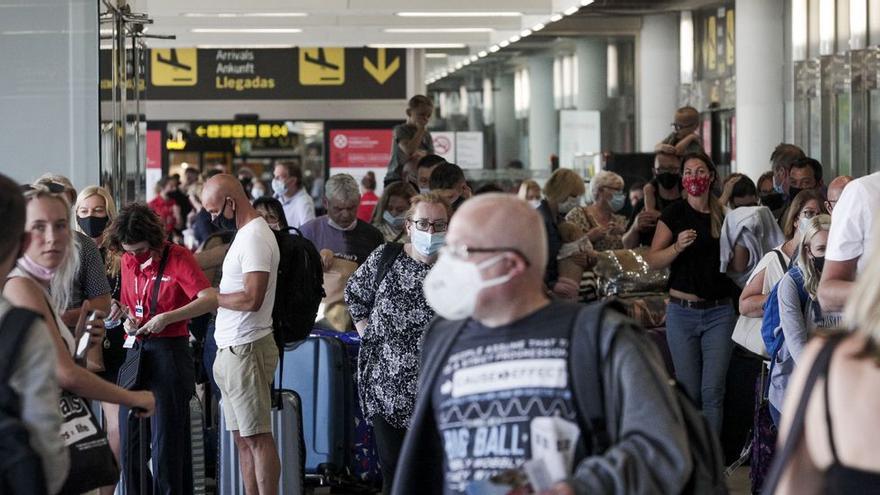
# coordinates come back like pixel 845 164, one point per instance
pixel 278 186
pixel 618 201
pixel 427 244
pixel 396 222
pixel 424 190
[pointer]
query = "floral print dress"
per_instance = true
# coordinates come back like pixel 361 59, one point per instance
pixel 388 363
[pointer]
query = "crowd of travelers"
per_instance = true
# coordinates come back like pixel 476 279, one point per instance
pixel 488 360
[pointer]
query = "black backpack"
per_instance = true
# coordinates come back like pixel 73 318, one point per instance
pixel 299 288
pixel 21 469
pixel 707 476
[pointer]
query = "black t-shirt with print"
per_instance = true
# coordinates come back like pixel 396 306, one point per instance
pixel 497 389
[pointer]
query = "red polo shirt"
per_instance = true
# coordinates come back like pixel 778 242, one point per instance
pixel 182 281
pixel 165 209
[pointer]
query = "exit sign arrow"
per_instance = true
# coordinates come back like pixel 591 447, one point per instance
pixel 380 71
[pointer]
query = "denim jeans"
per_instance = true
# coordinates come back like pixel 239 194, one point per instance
pixel 699 340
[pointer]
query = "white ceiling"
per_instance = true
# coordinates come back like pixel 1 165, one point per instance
pixel 341 22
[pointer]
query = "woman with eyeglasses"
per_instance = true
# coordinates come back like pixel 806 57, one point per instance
pixel 389 309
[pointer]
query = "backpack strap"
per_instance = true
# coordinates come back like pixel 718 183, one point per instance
pixel 585 368
pixel 15 325
pixel 781 258
pixel 795 433
pixel 390 253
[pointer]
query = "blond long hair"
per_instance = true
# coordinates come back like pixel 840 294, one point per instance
pixel 819 223
pixel 112 259
pixel 61 283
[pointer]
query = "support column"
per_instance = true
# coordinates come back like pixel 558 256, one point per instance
pixel 760 95
pixel 592 67
pixel 658 77
pixel 543 124
pixel 506 143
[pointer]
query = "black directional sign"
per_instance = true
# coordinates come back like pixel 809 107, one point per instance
pixel 270 74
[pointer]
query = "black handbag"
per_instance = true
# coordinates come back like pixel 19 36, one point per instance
pixel 130 372
pixel 92 464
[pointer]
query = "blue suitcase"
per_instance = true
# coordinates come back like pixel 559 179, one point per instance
pixel 287 430
pixel 317 369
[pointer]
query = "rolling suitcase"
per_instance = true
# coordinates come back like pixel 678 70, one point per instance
pixel 363 457
pixel 317 369
pixel 287 430
pixel 197 445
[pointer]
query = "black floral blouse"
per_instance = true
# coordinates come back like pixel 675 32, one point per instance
pixel 388 363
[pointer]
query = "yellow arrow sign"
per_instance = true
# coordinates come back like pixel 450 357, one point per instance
pixel 380 71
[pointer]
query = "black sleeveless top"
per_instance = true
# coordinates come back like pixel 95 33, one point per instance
pixel 839 478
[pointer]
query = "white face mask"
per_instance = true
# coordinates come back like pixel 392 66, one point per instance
pixel 453 284
pixel 535 203
pixel 336 226
pixel 568 205
pixel 427 244
pixel 279 187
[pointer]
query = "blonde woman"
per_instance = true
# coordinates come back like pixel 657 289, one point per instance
pixel 44 265
pixel 799 311
pixel 604 227
pixel 838 453
pixel 562 194
pixel 530 191
pixel 94 210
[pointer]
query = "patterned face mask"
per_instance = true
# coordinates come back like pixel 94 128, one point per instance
pixel 696 186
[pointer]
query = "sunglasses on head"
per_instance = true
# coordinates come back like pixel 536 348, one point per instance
pixel 52 187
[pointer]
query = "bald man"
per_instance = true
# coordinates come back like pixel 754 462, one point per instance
pixel 495 388
pixel 247 354
pixel 835 189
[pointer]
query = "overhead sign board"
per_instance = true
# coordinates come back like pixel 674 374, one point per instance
pixel 269 74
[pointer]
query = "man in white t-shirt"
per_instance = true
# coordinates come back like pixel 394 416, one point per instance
pixel 850 242
pixel 247 354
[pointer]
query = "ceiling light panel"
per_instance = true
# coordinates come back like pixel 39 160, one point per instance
pixel 459 14
pixel 439 30
pixel 245 30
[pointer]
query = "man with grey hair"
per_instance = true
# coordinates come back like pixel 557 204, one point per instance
pixel 339 233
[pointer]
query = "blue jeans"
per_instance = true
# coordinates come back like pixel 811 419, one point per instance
pixel 699 340
pixel 167 370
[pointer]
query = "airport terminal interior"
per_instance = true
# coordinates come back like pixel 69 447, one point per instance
pixel 458 247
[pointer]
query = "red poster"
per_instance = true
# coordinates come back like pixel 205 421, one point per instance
pixel 154 149
pixel 367 148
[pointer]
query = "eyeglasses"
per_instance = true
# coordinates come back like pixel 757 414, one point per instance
pixel 678 127
pixel 462 252
pixel 424 224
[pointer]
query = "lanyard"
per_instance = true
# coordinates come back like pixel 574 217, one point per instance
pixel 138 294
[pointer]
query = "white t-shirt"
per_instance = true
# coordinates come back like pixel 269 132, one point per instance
pixel 253 250
pixel 852 223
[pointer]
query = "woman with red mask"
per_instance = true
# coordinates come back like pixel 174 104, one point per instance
pixel 164 287
pixel 700 315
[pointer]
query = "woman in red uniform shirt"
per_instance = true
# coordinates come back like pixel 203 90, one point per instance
pixel 159 320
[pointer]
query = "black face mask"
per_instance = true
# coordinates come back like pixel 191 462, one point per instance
pixel 224 224
pixel 93 226
pixel 457 203
pixel 793 192
pixel 773 200
pixel 819 263
pixel 668 180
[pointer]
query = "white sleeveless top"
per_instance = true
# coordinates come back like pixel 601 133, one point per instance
pixel 65 333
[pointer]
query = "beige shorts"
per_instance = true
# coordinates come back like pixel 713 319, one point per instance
pixel 244 374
